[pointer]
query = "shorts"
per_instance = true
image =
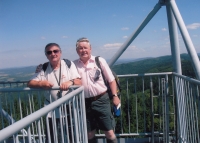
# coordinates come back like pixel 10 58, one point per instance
pixel 99 115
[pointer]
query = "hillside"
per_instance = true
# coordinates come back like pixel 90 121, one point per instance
pixel 154 65
pixel 150 65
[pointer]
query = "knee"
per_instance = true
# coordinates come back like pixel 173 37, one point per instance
pixel 91 134
pixel 110 134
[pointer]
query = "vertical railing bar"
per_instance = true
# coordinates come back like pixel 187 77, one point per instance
pixel 189 113
pixel 78 116
pixel 121 123
pixel 42 121
pixel 29 111
pixel 61 108
pixel 167 108
pixel 185 119
pixel 173 105
pixel 136 105
pixel 182 114
pixel 66 121
pixel 70 112
pixel 193 120
pixel 128 106
pixel 163 108
pixel 152 110
pixel 144 105
pixel 29 134
pixel 39 131
pixel 160 101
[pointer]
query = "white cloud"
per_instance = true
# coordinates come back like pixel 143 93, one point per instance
pixel 164 29
pixel 125 28
pixel 195 35
pixel 124 37
pixel 193 26
pixel 43 37
pixel 64 37
pixel 112 46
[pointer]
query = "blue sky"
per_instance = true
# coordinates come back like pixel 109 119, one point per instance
pixel 26 26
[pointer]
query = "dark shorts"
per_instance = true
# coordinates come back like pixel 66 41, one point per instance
pixel 98 114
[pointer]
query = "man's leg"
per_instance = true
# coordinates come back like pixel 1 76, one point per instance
pixel 110 136
pixel 91 137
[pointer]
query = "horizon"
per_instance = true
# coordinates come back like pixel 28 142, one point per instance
pixel 119 61
pixel 27 26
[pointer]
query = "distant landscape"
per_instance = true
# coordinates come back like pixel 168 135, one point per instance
pixel 126 66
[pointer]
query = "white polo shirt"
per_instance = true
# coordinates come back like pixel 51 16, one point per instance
pixel 66 75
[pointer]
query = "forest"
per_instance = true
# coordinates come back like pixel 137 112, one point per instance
pixel 136 109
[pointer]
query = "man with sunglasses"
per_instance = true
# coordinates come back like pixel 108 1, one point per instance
pixel 98 109
pixel 57 73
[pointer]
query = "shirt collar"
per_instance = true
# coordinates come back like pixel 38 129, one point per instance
pixel 92 59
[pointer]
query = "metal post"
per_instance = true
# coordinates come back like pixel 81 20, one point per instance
pixel 186 38
pixel 167 108
pixel 176 61
pixel 152 111
pixel 134 35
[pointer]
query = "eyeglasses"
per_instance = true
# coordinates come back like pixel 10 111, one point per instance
pixel 50 52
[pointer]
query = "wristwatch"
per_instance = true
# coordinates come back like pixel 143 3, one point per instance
pixel 115 94
pixel 72 81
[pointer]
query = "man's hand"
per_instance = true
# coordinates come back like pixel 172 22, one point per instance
pixel 40 84
pixel 116 100
pixel 66 85
pixel 38 68
pixel 46 84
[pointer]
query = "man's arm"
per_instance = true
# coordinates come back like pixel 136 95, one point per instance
pixel 66 85
pixel 113 87
pixel 39 84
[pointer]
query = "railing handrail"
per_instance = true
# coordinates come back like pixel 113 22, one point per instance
pixel 17 126
pixel 145 74
pixel 32 89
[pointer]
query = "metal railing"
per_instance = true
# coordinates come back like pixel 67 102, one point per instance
pixel 156 107
pixel 23 117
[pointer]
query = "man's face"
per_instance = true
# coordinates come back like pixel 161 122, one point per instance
pixel 84 51
pixel 53 54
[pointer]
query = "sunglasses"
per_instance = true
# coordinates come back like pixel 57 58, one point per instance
pixel 50 52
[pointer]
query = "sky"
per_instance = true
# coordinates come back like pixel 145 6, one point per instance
pixel 27 26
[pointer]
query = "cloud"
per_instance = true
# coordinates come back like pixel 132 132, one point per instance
pixel 43 37
pixel 112 46
pixel 125 28
pixel 64 37
pixel 164 29
pixel 124 37
pixel 193 26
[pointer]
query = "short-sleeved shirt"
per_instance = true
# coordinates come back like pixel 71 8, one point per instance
pixel 87 72
pixel 49 75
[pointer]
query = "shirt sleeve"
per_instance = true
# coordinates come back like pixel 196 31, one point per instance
pixel 38 76
pixel 106 70
pixel 74 72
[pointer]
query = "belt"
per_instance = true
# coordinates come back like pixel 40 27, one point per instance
pixel 95 97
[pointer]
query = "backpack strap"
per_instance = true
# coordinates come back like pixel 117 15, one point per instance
pixel 68 63
pixel 44 66
pixel 114 74
pixel 99 66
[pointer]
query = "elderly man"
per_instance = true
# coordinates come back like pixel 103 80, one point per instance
pixel 57 73
pixel 98 109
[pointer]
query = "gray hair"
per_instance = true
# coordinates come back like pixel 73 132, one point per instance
pixel 51 45
pixel 83 39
